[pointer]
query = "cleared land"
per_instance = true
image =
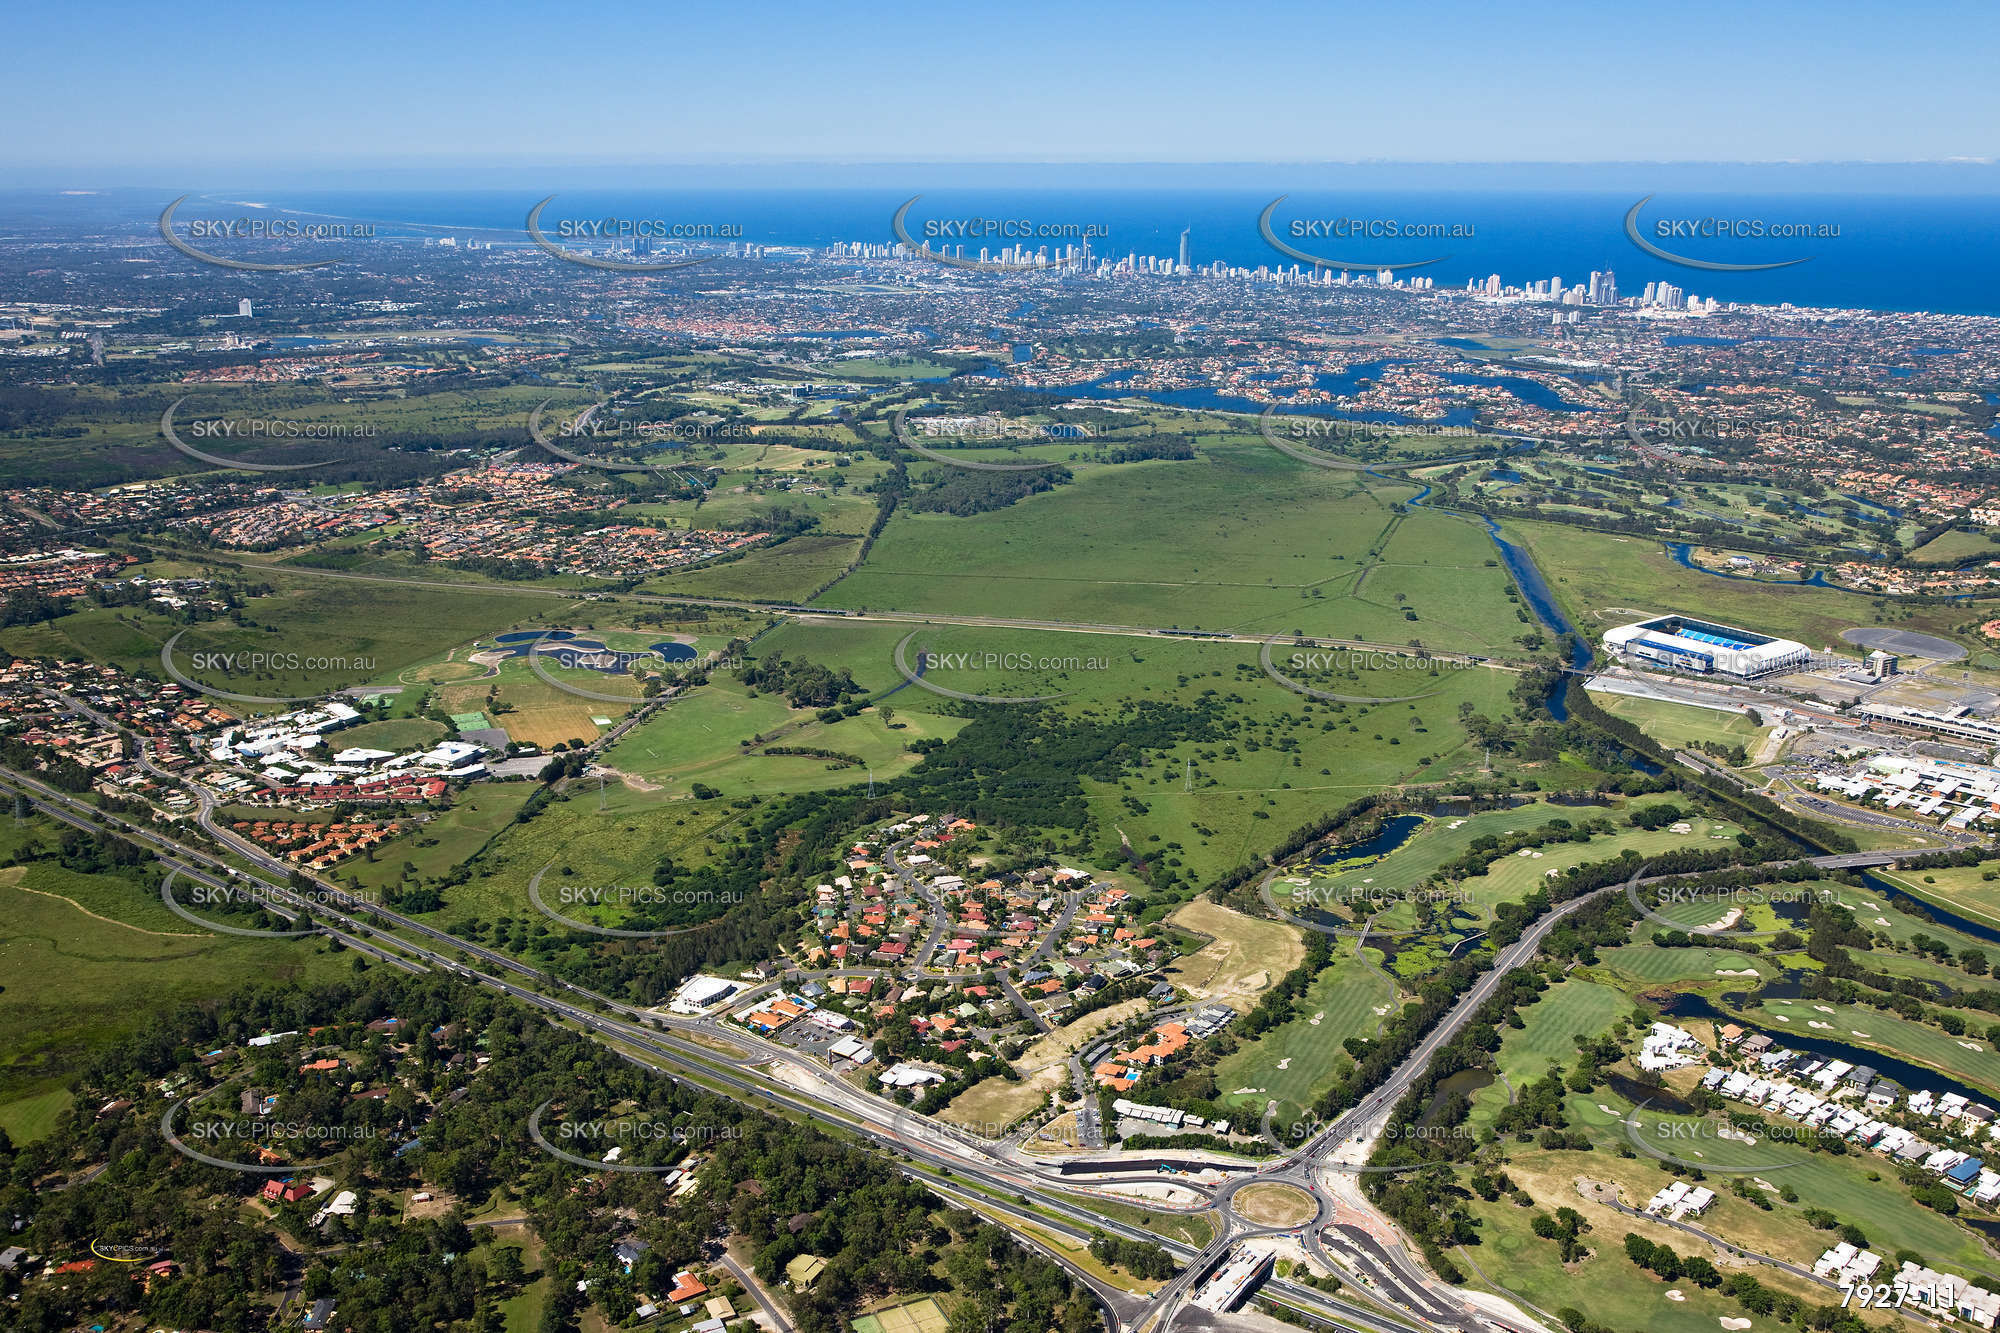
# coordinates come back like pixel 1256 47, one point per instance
pixel 318 635
pixel 1681 724
pixel 617 842
pixel 1215 801
pixel 702 738
pixel 1241 537
pixel 1274 1205
pixel 86 958
pixel 1589 571
pixel 1241 961
pixel 993 1106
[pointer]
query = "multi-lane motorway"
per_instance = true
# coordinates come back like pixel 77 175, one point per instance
pixel 1388 1292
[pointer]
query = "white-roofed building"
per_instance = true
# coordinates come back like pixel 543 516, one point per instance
pixel 1682 643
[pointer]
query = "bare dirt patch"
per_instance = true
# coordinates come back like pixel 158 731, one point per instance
pixel 1058 1136
pixel 1243 954
pixel 1273 1205
pixel 437 1205
pixel 1055 1048
pixel 993 1106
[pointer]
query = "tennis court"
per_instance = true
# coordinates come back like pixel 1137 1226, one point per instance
pixel 916 1317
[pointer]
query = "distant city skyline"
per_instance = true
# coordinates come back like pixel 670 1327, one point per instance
pixel 235 86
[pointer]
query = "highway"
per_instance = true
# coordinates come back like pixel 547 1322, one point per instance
pixel 745 1066
pixel 767 1073
pixel 1346 1141
pixel 928 1151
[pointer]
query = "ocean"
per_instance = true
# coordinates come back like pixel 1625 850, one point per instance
pixel 1927 252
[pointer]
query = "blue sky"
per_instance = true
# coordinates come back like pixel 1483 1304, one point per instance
pixel 306 86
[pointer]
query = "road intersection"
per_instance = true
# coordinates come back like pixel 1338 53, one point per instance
pixel 1387 1288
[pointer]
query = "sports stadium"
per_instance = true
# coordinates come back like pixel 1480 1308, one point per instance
pixel 1683 644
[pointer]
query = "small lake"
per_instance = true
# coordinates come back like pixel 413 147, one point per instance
pixel 566 648
pixel 1395 831
pixel 1532 392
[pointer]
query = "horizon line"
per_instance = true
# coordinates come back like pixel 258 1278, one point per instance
pixel 463 162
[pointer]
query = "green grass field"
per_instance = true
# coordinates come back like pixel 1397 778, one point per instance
pixel 1970 1058
pixel 698 740
pixel 1873 912
pixel 1290 1063
pixel 1607 1286
pixel 1880 1207
pixel 1382 880
pixel 1952 547
pixel 523 1311
pixel 790 572
pixel 1567 1011
pixel 1512 876
pixel 316 636
pixel 1387 882
pixel 1681 724
pixel 1600 578
pixel 1651 965
pixel 614 844
pixel 444 842
pixel 1857 1188
pixel 1648 965
pixel 84 959
pixel 1626 1297
pixel 1285 760
pixel 105 438
pixel 25 1119
pixel 1240 538
pixel 1963 889
pixel 396 734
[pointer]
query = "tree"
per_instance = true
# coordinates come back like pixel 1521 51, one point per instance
pixel 506 1266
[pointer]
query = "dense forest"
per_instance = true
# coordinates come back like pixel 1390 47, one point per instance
pixel 777 1188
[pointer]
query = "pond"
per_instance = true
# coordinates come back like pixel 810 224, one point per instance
pixel 566 647
pixel 1395 831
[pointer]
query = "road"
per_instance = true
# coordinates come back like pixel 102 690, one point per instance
pixel 808 613
pixel 1315 1166
pixel 640 1040
pixel 917 889
pixel 1606 1199
pixel 779 1321
pixel 771 1075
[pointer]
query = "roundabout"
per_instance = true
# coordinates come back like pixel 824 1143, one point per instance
pixel 1271 1204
